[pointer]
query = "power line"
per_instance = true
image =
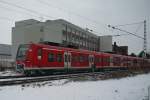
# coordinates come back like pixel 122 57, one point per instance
pixel 70 12
pixel 129 24
pixel 10 10
pixel 144 38
pixel 26 9
pixel 138 28
pixel 41 14
pixel 125 31
pixel 116 35
pixel 5 18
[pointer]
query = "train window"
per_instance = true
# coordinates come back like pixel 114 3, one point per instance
pixel 108 60
pixel 51 57
pixel 116 60
pixel 59 58
pixel 22 51
pixel 86 58
pixel 104 59
pixel 111 60
pixel 80 58
pixel 97 60
pixel 134 61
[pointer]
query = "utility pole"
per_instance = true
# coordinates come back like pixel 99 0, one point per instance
pixel 145 40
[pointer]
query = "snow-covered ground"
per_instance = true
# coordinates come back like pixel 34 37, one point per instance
pixel 129 88
pixel 9 73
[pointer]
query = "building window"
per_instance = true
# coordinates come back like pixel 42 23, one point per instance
pixel 42 29
pixel 64 36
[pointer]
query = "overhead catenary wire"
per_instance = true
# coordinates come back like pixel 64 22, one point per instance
pixel 138 28
pixel 41 15
pixel 73 13
pixel 125 31
pixel 17 11
pixel 144 37
pixel 26 9
pixel 116 35
pixel 129 24
pixel 5 18
pixel 128 33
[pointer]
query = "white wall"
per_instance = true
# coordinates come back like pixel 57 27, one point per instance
pixel 53 32
pixel 25 34
pixel 106 43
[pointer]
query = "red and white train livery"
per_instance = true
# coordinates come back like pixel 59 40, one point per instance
pixel 41 58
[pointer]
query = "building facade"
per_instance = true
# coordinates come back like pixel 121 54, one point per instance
pixel 57 31
pixel 6 60
pixel 122 50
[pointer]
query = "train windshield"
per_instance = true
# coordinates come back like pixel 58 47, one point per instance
pixel 22 52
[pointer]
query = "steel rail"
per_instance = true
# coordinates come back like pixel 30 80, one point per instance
pixel 24 80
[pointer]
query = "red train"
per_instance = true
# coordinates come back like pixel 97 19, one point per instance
pixel 41 58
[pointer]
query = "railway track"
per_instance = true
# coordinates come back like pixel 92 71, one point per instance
pixel 7 77
pixel 22 80
pixel 14 80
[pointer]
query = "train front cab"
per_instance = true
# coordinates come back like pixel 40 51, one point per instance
pixel 21 57
pixel 39 58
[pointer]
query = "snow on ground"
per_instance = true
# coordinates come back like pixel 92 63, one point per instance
pixel 8 73
pixel 129 88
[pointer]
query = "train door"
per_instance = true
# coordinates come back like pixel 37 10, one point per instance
pixel 111 61
pixel 39 57
pixel 67 59
pixel 91 60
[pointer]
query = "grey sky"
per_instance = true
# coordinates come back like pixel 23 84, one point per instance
pixel 94 14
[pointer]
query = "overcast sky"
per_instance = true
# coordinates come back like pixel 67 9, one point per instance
pixel 93 14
